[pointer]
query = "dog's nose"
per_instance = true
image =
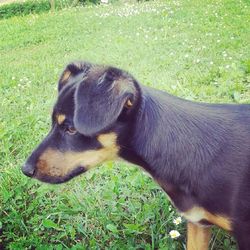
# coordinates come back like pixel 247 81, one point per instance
pixel 28 169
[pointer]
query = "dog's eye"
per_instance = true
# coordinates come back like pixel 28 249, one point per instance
pixel 71 130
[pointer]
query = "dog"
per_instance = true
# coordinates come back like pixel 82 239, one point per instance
pixel 198 153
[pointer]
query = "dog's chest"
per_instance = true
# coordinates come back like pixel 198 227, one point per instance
pixel 188 208
pixel 201 216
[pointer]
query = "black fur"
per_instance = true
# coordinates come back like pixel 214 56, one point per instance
pixel 98 104
pixel 199 153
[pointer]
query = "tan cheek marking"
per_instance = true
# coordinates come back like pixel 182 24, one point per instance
pixel 107 140
pixel 197 214
pixel 60 118
pixel 51 162
pixel 56 163
pixel 107 153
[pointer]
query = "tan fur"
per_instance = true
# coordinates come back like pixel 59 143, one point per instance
pixel 60 118
pixel 65 77
pixel 55 163
pixel 219 220
pixel 107 140
pixel 129 104
pixel 197 237
pixel 197 214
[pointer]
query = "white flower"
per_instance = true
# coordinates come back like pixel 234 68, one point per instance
pixel 177 221
pixel 174 234
pixel 211 63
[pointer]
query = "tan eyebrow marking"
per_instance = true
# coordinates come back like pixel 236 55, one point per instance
pixel 60 118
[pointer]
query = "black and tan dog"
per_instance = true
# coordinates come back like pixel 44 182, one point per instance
pixel 198 153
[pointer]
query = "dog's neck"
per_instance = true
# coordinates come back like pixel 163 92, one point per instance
pixel 170 135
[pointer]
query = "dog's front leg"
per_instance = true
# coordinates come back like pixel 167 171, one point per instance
pixel 198 237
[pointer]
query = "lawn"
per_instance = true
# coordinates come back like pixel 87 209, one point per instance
pixel 198 50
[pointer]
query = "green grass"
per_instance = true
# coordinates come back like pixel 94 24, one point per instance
pixel 195 49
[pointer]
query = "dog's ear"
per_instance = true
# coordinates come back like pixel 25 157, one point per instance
pixel 101 98
pixel 72 70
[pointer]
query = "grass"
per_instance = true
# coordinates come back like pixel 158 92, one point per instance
pixel 198 50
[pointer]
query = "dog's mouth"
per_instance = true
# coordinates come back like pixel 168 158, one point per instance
pixel 59 179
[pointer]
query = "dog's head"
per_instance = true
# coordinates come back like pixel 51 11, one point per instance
pixel 95 107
